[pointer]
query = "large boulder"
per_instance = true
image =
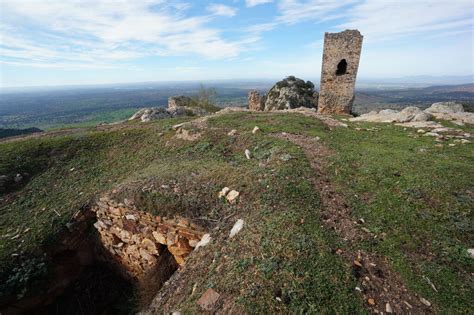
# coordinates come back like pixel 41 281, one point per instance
pixel 445 108
pixel 412 113
pixel 291 93
pixel 408 114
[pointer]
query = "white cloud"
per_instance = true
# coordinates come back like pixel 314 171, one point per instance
pixel 295 11
pixel 222 10
pixel 385 20
pixel 63 32
pixel 252 3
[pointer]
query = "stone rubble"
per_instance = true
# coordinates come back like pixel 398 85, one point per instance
pixel 136 238
pixel 414 117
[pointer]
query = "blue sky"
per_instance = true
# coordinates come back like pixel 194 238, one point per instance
pixel 103 41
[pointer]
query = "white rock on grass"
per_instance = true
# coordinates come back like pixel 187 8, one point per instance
pixel 236 228
pixel 206 238
pixel 232 196
pixel 471 252
pixel 233 132
pixel 255 130
pixel 445 107
pixel 421 131
pixel 224 192
pixel 247 154
pixel 425 301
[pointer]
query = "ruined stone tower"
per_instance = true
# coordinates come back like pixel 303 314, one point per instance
pixel 338 75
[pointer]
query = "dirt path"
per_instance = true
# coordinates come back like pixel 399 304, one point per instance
pixel 382 288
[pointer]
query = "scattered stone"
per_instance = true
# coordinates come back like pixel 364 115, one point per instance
pixel 286 157
pixel 431 134
pixel 421 131
pixel 130 217
pixel 233 132
pixel 425 301
pixel 452 144
pixel 388 308
pixel 255 130
pixel 236 228
pixel 206 238
pixel 465 141
pixel 416 118
pixel 208 300
pixel 224 192
pixel 371 301
pixel 471 252
pixel 232 196
pixel 247 154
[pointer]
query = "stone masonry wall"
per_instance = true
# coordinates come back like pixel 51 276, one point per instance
pixel 336 94
pixel 255 101
pixel 137 238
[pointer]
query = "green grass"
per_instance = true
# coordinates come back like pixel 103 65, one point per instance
pixel 421 199
pixel 420 196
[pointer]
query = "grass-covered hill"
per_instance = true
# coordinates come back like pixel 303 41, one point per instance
pixel 336 220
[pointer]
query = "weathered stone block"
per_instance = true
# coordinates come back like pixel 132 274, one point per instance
pixel 255 101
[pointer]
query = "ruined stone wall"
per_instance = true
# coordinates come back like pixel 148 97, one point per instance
pixel 338 75
pixel 179 101
pixel 136 239
pixel 255 101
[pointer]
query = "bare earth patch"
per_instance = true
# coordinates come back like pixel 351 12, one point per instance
pixel 382 288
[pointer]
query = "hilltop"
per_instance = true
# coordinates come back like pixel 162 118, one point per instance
pixel 336 216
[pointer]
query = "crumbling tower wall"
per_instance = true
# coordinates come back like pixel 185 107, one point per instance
pixel 338 75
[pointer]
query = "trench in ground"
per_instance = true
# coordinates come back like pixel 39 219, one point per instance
pixel 86 279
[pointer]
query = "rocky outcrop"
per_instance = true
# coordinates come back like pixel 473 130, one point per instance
pixel 389 115
pixel 451 111
pixel 291 93
pixel 255 101
pixel 137 239
pixel 445 108
pixel 178 106
pixel 446 111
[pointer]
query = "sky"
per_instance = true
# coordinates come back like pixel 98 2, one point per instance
pixel 67 42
